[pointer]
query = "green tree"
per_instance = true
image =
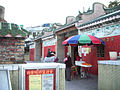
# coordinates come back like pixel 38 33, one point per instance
pixel 113 4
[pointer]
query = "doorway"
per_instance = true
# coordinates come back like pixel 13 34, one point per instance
pixel 74 51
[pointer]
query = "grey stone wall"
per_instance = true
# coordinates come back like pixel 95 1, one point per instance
pixel 37 51
pixel 60 48
pixel 14 77
pixel 62 79
pixel 108 77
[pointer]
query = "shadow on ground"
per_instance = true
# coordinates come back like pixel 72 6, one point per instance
pixel 82 84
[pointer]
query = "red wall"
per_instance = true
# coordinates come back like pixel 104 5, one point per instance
pixel 111 44
pixel 32 54
pixel 52 48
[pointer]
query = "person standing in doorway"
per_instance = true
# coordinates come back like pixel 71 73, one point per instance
pixel 78 58
pixel 68 62
pixel 49 53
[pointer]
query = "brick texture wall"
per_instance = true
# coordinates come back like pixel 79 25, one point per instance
pixel 11 50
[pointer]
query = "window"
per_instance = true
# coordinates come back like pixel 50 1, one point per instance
pixel 100 51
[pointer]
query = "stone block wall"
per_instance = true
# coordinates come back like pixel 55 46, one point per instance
pixel 11 50
pixel 108 77
pixel 62 79
pixel 14 78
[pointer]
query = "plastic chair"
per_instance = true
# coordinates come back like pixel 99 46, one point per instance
pixel 74 73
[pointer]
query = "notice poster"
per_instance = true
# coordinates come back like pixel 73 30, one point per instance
pixel 34 82
pixel 40 79
pixel 80 51
pixel 86 51
pixel 47 82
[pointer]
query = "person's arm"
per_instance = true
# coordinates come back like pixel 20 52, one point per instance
pixel 65 59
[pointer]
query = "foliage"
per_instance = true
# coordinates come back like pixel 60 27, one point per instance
pixel 114 4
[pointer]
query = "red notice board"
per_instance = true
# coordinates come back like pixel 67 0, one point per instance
pixel 40 79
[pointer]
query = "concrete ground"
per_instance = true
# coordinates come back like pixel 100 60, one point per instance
pixel 82 84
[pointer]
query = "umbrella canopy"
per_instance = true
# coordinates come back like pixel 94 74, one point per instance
pixel 83 39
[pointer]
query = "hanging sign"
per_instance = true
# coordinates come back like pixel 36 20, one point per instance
pixel 86 50
pixel 80 51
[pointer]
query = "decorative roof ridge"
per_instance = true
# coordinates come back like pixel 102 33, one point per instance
pixel 54 26
pixel 92 11
pixel 100 17
pixel 50 30
pixel 65 26
pixel 41 36
pixel 59 24
pixel 110 10
pixel 68 17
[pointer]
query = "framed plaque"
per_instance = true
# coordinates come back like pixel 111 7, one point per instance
pixel 39 76
pixel 41 79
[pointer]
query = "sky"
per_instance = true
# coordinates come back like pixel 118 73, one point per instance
pixel 37 12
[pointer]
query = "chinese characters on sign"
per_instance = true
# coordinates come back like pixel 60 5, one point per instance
pixel 42 79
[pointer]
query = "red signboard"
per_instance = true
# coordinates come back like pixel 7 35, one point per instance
pixel 40 79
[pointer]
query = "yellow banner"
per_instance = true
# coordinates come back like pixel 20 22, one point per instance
pixel 34 82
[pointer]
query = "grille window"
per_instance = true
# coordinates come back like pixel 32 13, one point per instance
pixel 101 51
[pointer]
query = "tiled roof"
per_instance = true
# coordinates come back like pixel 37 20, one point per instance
pixel 65 26
pixel 101 18
pixel 12 30
pixel 47 34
